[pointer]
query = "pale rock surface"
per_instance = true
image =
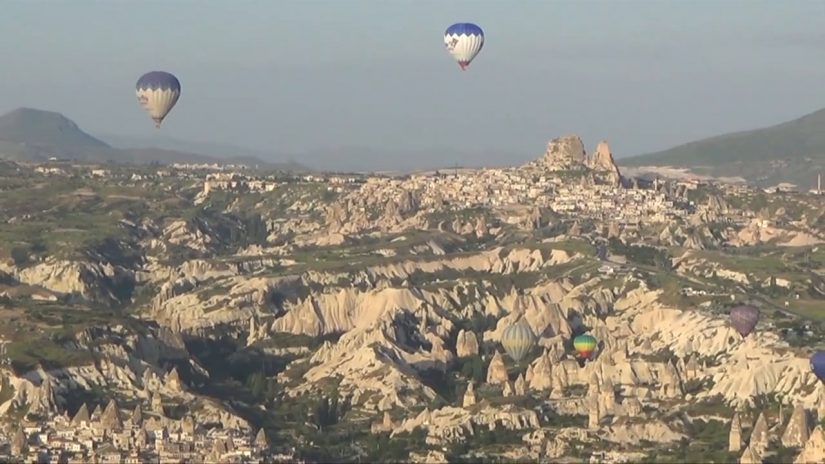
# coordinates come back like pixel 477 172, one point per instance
pixel 496 371
pixel 466 344
pixel 814 450
pixel 540 373
pixel 192 235
pixel 750 456
pixel 520 386
pixel 798 429
pixel 760 364
pixel 632 432
pixel 450 424
pixel 564 153
pixel 602 161
pixel 469 396
pixel 74 277
pixel 375 375
pixel 508 389
pixel 430 457
pixel 760 438
pixel 735 437
pixel 594 416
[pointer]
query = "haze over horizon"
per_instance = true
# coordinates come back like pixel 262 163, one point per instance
pixel 316 76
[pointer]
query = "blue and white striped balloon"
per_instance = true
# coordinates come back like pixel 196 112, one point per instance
pixel 464 41
pixel 157 92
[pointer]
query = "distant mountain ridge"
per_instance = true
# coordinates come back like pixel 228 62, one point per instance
pixel 792 151
pixel 28 134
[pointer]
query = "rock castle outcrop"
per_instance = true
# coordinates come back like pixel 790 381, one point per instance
pixel 568 153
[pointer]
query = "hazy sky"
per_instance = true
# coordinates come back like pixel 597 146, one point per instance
pixel 306 75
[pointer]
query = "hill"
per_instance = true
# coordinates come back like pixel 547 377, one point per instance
pixel 28 134
pixel 164 146
pixel 793 151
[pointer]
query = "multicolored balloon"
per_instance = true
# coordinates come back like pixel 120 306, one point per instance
pixel 157 92
pixel 818 365
pixel 585 345
pixel 463 42
pixel 518 339
pixel 744 319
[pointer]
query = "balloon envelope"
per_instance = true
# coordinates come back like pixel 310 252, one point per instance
pixel 518 339
pixel 463 42
pixel 584 345
pixel 744 318
pixel 157 93
pixel 818 364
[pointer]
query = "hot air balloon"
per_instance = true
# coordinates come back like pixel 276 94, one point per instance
pixel 744 318
pixel 818 365
pixel 157 92
pixel 584 345
pixel 464 41
pixel 518 339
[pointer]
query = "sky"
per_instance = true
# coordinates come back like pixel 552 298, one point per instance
pixel 346 82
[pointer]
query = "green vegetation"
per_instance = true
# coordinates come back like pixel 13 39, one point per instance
pixel 710 407
pixel 484 441
pixel 26 354
pixel 781 455
pixel 473 368
pixel 575 391
pixel 641 254
pixel 6 391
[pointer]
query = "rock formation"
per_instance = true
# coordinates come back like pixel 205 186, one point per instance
pixel 111 418
pixel 466 344
pixel 157 404
pixel 82 416
pixel 799 428
pixel 602 162
pixel 260 439
pixel 508 389
pixel 520 386
pixel 497 372
pixel 759 436
pixel 469 396
pixel 750 456
pixel 565 153
pixel 18 442
pixel 814 450
pixel 594 416
pixel 632 407
pixel 735 438
pixel 137 417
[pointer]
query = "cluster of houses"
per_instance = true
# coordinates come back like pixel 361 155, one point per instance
pixel 104 436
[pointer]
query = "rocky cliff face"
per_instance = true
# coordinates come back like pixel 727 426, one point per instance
pixel 567 154
pixel 127 363
pixel 602 162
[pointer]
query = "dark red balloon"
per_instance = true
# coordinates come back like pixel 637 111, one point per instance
pixel 744 319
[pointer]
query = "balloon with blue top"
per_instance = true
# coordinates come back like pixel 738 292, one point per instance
pixel 157 93
pixel 463 42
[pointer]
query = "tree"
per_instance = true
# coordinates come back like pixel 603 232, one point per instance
pixel 20 256
pixel 473 368
pixel 328 412
pixel 256 231
pixel 257 384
